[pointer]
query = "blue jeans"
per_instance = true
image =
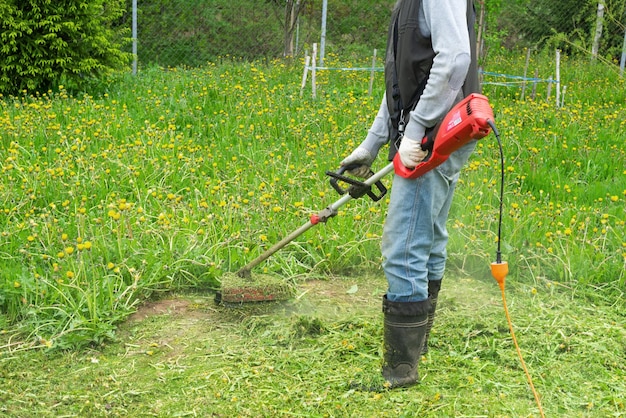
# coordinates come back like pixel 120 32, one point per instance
pixel 415 236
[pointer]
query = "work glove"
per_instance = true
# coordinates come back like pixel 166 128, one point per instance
pixel 411 153
pixel 361 157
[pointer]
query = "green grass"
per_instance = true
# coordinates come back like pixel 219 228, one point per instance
pixel 185 356
pixel 169 180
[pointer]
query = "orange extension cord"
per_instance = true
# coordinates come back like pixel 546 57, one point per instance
pixel 499 270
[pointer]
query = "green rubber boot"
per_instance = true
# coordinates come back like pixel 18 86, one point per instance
pixel 433 293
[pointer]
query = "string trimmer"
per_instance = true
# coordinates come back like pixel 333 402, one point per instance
pixel 470 119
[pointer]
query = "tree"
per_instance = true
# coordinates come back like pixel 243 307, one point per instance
pixel 48 42
pixel 293 8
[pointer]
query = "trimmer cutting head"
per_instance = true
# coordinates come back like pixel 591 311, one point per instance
pixel 263 288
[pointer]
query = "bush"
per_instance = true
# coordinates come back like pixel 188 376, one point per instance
pixel 46 43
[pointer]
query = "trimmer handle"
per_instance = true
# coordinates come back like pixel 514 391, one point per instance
pixel 357 188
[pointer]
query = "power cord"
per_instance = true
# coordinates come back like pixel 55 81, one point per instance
pixel 500 269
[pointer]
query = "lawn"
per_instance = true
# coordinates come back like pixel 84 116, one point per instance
pixel 158 185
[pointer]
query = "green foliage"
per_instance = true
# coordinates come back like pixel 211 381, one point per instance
pixel 191 33
pixel 566 24
pixel 177 32
pixel 357 22
pixel 48 43
pixel 173 178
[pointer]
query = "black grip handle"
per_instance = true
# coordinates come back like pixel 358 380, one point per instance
pixel 428 142
pixel 357 188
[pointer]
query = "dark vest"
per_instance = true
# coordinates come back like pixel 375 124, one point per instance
pixel 409 59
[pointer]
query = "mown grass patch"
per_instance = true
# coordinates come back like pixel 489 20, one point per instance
pixel 187 356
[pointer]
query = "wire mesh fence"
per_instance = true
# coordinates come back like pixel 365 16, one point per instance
pixel 194 32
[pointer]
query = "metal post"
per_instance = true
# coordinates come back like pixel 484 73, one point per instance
pixel 323 39
pixel 558 76
pixel 134 35
pixel 623 60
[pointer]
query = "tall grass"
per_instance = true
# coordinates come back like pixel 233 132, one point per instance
pixel 171 178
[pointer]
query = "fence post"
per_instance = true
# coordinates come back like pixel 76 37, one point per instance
pixel 134 35
pixel 525 72
pixel 307 60
pixel 550 80
pixel 313 71
pixel 623 60
pixel 369 91
pixel 323 36
pixel 558 76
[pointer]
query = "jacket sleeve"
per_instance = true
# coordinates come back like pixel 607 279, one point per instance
pixel 378 133
pixel 445 21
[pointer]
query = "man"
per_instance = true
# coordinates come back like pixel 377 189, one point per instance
pixel 430 65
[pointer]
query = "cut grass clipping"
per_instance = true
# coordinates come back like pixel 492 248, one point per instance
pixel 261 288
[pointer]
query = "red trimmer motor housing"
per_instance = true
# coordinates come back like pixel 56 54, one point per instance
pixel 467 120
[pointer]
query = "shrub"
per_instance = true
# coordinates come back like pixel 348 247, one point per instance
pixel 46 43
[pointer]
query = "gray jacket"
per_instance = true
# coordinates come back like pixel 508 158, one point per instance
pixel 429 66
